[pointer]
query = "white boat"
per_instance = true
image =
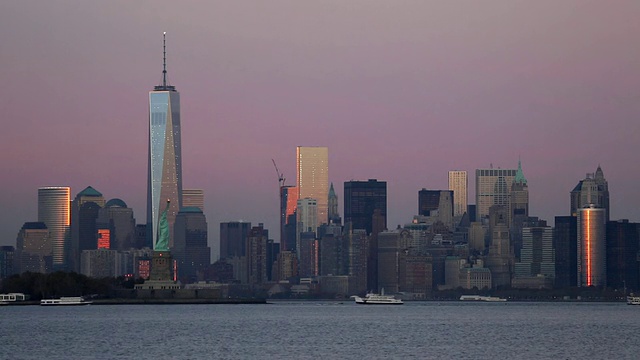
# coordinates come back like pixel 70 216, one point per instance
pixel 377 299
pixel 65 301
pixel 633 300
pixel 482 298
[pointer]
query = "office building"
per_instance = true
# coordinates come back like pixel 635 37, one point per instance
pixel 307 218
pixel 361 199
pixel 591 258
pixel 437 205
pixel 565 238
pixel 538 254
pixel 190 245
pixel 165 156
pixel 84 234
pixel 54 211
pixel 233 238
pixel 193 198
pixel 257 256
pixel 34 248
pixel 623 255
pixel 493 187
pixel 288 220
pixel 459 184
pixel 334 215
pixel 312 177
pixel 116 222
pixel 593 190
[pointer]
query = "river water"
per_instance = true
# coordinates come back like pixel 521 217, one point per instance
pixel 330 330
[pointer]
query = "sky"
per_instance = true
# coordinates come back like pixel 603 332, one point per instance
pixel 400 91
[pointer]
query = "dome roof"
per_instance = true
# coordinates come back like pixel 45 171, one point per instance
pixel 115 203
pixel 89 191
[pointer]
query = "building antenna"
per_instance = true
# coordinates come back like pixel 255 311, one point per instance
pixel 164 59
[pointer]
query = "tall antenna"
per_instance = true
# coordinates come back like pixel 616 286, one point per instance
pixel 164 59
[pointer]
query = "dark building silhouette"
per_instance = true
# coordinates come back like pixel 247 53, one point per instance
pixel 34 248
pixel 565 241
pixel 233 238
pixel 288 202
pixel 593 190
pixel 623 255
pixel 257 255
pixel 7 261
pixel 116 221
pixel 190 245
pixel 84 234
pixel 361 199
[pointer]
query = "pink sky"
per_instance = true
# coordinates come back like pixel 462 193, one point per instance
pixel 401 91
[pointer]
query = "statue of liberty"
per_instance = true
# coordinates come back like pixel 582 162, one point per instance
pixel 162 242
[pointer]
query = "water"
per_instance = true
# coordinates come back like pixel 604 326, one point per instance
pixel 330 330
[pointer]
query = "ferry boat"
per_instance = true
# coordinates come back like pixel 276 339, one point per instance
pixel 65 301
pixel 6 299
pixel 633 300
pixel 377 299
pixel 482 298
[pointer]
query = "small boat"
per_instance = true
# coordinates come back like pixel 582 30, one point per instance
pixel 65 301
pixel 377 299
pixel 633 300
pixel 482 298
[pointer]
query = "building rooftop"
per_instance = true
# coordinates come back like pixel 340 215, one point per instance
pixel 89 191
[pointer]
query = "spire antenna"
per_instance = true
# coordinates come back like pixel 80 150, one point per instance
pixel 164 59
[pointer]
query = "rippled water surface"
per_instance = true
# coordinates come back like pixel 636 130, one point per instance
pixel 330 330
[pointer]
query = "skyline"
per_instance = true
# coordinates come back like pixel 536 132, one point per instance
pixel 402 94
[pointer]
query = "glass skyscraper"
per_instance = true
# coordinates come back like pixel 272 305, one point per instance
pixel 54 210
pixel 165 159
pixel 313 178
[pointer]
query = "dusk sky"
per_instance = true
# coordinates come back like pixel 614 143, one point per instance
pixel 401 91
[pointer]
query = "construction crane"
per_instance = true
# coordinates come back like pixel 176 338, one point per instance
pixel 281 178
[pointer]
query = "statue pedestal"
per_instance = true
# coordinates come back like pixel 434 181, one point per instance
pixel 160 280
pixel 161 266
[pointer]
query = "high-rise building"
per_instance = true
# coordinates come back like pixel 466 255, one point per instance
pixel 361 199
pixel 334 215
pixel 34 248
pixel 288 205
pixel 84 234
pixel 459 183
pixel 307 217
pixel 257 256
pixel 623 262
pixel 165 158
pixel 54 210
pixel 313 178
pixel 500 259
pixel 233 238
pixel 565 240
pixel 438 205
pixel 592 261
pixel 493 187
pixel 118 219
pixel 593 190
pixel 190 246
pixel 193 198
pixel 518 209
pixel 538 254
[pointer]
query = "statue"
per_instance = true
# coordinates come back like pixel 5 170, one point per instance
pixel 162 242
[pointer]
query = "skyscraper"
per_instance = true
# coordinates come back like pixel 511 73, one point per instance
pixel 361 199
pixel 193 198
pixel 593 190
pixel 307 217
pixel 493 187
pixel 334 215
pixel 313 177
pixel 34 248
pixel 592 267
pixel 288 204
pixel 165 159
pixel 191 249
pixel 84 212
pixel 233 238
pixel 118 219
pixel 53 210
pixel 459 183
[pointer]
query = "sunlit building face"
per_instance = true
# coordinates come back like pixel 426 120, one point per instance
pixel 54 210
pixel 313 178
pixel 592 247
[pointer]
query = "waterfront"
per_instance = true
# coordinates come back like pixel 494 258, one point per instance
pixel 310 329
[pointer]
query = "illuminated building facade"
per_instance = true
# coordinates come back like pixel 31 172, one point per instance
pixel 459 184
pixel 312 176
pixel 288 205
pixel 116 217
pixel 165 159
pixel 592 246
pixel 54 210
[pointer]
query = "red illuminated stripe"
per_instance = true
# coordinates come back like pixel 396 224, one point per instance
pixel 588 248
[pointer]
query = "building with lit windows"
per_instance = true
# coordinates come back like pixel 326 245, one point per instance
pixel 193 198
pixel 165 159
pixel 312 177
pixel 84 212
pixel 54 211
pixel 459 184
pixel 592 266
